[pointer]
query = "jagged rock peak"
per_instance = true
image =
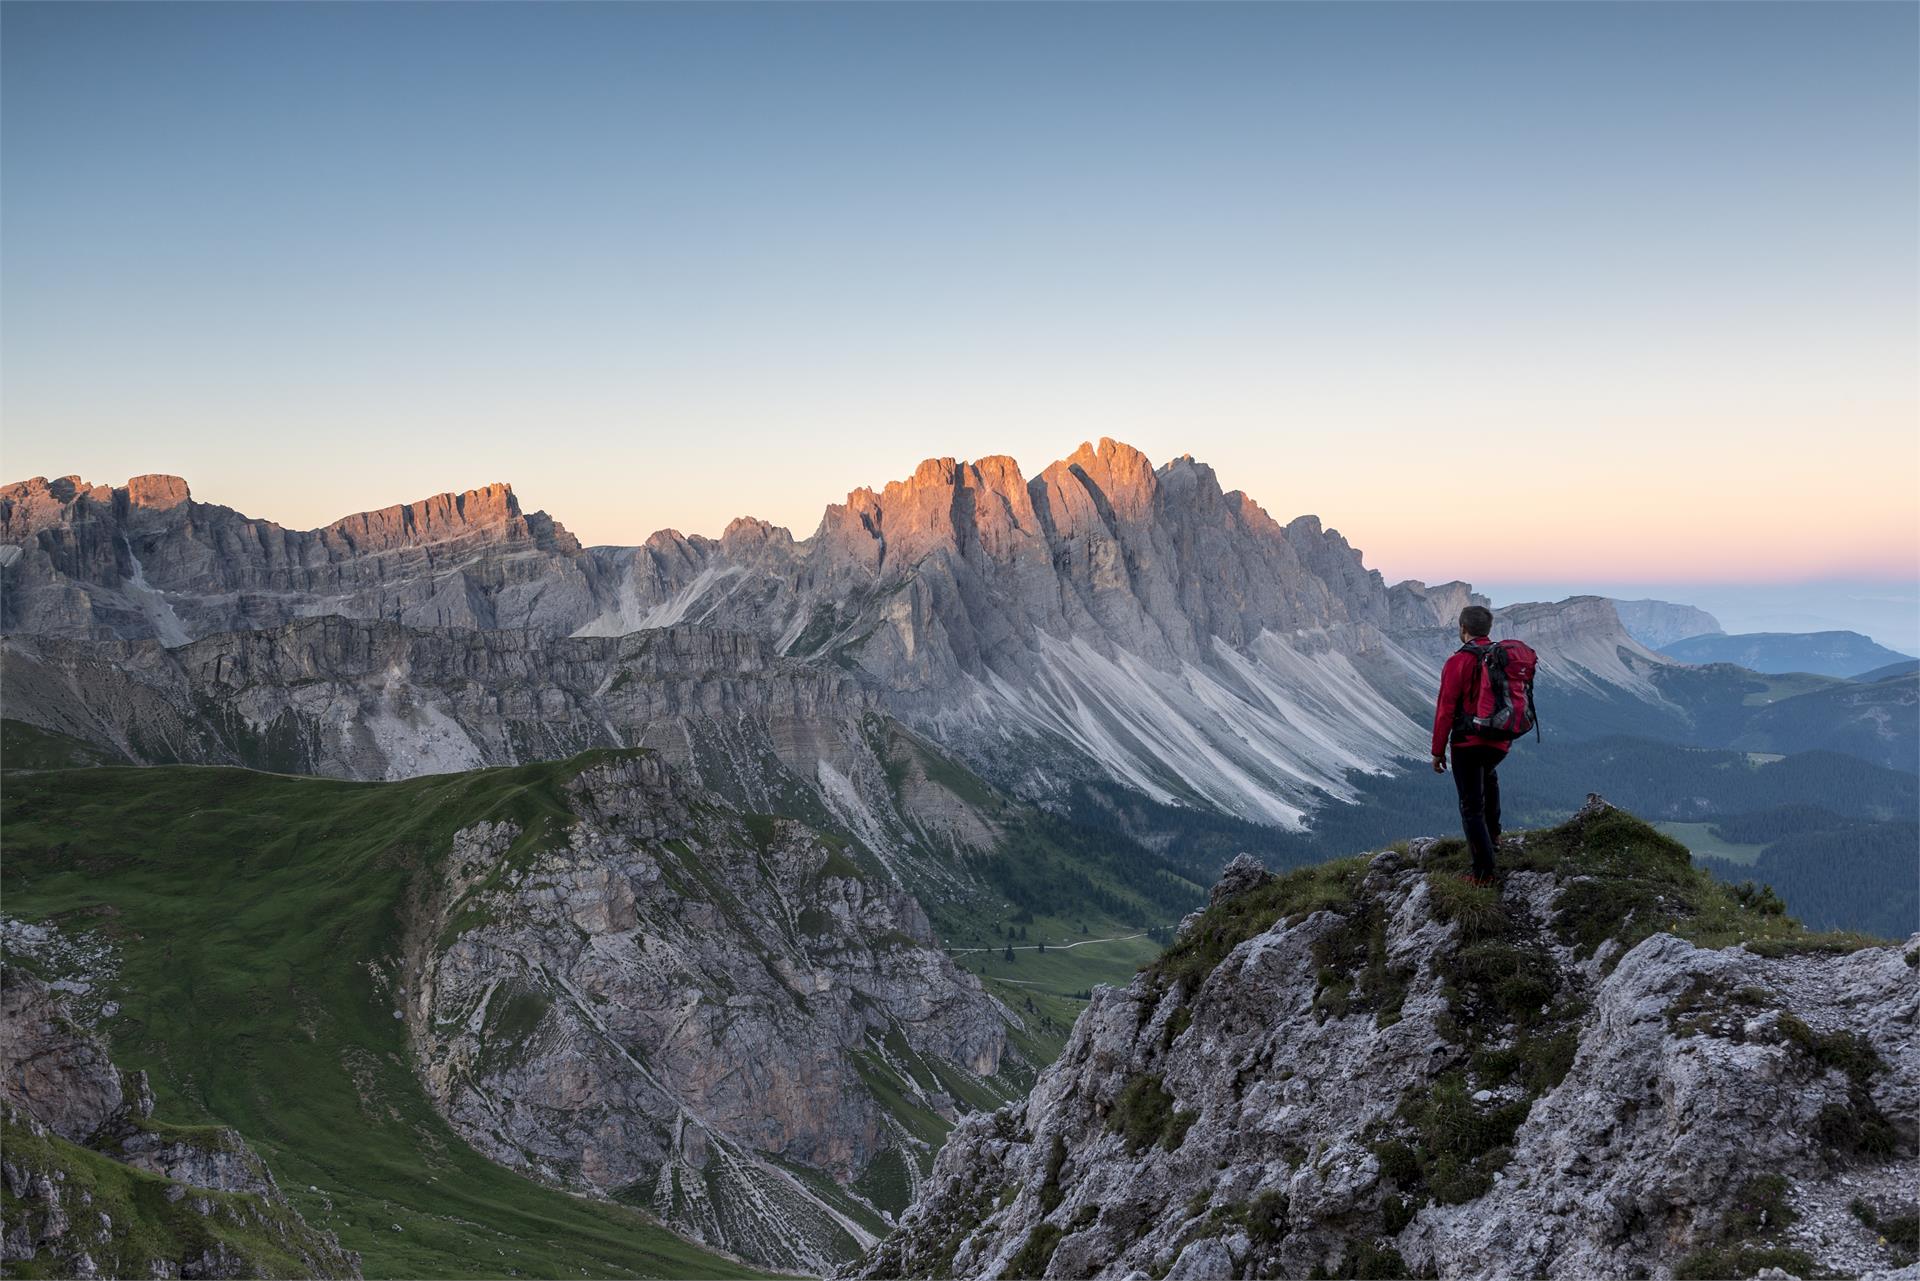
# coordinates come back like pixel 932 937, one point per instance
pixel 450 515
pixel 27 506
pixel 1244 873
pixel 157 490
pixel 744 532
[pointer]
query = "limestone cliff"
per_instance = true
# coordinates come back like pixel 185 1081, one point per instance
pixel 739 1023
pixel 146 559
pixel 1656 623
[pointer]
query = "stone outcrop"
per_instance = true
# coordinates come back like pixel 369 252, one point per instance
pixel 690 1012
pixel 70 1118
pixel 1369 1068
pixel 53 1068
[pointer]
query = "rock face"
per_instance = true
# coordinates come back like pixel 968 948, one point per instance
pixel 146 560
pixel 369 700
pixel 731 1023
pixel 1370 1068
pixel 51 1067
pixel 1658 623
pixel 357 699
pixel 76 1128
pixel 1104 620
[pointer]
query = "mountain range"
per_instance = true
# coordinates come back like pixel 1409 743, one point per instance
pixel 1821 653
pixel 717 880
pixel 1105 619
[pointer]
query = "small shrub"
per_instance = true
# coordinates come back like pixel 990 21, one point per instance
pixel 1176 1132
pixel 1456 1134
pixel 1903 1231
pixel 1847 1052
pixel 1050 1190
pixel 1761 1208
pixel 1398 1163
pixel 1144 1115
pixel 1588 913
pixel 1266 1217
pixel 1759 899
pixel 1037 1252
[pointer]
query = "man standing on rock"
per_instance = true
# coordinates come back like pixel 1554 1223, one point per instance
pixel 1476 757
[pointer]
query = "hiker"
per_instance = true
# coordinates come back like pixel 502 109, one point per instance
pixel 1486 701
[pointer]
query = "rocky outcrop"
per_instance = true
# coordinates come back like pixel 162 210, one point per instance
pixel 734 1024
pixel 94 1185
pixel 53 1068
pixel 1608 1066
pixel 1413 605
pixel 1657 623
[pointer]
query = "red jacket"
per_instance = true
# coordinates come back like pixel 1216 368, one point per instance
pixel 1453 688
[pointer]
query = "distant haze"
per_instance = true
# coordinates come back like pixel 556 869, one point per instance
pixel 1887 610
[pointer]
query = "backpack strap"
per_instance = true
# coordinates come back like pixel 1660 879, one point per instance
pixel 1462 718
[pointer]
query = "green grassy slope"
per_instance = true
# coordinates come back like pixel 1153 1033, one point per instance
pixel 255 917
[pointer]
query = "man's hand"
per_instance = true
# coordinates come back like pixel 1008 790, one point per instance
pixel 1439 764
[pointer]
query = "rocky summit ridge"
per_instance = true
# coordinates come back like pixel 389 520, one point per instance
pixel 1104 620
pixel 1609 1066
pixel 146 559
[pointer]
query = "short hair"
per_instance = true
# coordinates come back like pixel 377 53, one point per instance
pixel 1477 619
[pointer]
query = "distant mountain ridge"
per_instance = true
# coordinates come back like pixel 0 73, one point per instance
pixel 1658 622
pixel 146 559
pixel 1838 653
pixel 1105 619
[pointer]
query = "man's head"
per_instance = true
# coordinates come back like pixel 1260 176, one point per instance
pixel 1475 620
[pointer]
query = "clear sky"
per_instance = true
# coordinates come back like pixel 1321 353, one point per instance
pixel 1544 293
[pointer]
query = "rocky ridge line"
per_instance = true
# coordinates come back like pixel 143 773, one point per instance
pixel 1369 1068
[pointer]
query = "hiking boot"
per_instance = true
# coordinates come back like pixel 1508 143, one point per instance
pixel 1480 882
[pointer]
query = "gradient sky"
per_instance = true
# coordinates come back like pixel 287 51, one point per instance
pixel 659 266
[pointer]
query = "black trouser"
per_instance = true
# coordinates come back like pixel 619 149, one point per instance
pixel 1479 788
